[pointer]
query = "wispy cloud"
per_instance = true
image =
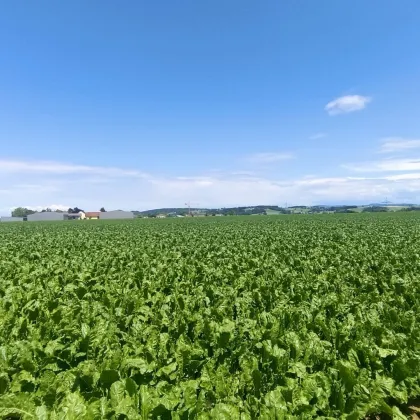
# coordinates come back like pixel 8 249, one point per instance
pixel 385 165
pixel 270 157
pixel 242 173
pixel 403 177
pixel 392 178
pixel 317 136
pixel 306 190
pixel 398 144
pixel 220 191
pixel 346 104
pixel 53 207
pixel 57 168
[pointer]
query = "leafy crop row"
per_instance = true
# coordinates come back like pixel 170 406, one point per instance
pixel 271 318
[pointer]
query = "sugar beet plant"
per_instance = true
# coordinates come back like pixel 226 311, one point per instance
pixel 234 318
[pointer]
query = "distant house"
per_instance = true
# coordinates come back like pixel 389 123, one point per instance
pixel 92 215
pixel 11 219
pixel 116 214
pixel 46 216
pixel 161 216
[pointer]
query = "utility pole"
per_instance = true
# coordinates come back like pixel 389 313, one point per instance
pixel 188 204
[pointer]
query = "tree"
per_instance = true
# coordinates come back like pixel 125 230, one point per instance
pixel 75 210
pixel 21 212
pixel 375 209
pixel 102 210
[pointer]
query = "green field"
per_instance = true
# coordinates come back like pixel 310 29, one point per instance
pixel 293 317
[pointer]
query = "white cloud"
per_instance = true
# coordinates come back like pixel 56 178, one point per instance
pixel 312 190
pixel 53 207
pixel 317 136
pixel 243 173
pixel 346 104
pixel 402 177
pixel 220 189
pixel 17 166
pixel 270 157
pixel 386 165
pixel 398 144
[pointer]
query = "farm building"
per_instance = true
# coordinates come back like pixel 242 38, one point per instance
pixel 116 214
pixel 46 216
pixel 76 216
pixel 92 215
pixel 11 219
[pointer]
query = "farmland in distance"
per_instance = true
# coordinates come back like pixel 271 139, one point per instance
pixel 292 317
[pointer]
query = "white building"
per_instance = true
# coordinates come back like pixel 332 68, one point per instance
pixel 11 219
pixel 46 216
pixel 116 214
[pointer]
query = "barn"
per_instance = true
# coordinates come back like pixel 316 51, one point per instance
pixel 11 219
pixel 76 216
pixel 116 214
pixel 46 216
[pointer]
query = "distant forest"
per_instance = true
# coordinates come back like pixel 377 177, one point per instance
pixel 264 209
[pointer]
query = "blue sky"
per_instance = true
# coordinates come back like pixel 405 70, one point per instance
pixel 139 104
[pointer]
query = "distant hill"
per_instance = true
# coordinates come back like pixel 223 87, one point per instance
pixel 263 210
pixel 391 205
pixel 182 211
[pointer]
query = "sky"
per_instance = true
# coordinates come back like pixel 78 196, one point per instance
pixel 144 104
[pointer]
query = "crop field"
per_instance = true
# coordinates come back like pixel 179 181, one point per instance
pixel 292 317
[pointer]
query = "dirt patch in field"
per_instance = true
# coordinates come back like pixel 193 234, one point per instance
pixel 411 409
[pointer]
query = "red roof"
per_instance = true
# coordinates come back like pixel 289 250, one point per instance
pixel 92 213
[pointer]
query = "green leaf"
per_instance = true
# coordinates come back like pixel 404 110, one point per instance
pixel 20 406
pixel 140 364
pixel 298 368
pixel 387 352
pixel 275 401
pixel 117 393
pixel 169 369
pixel 108 377
pixel 73 407
pixel 223 411
pixel 97 410
pixel 130 386
pixel 41 413
pixel 347 374
pixel 4 383
pixel 397 415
